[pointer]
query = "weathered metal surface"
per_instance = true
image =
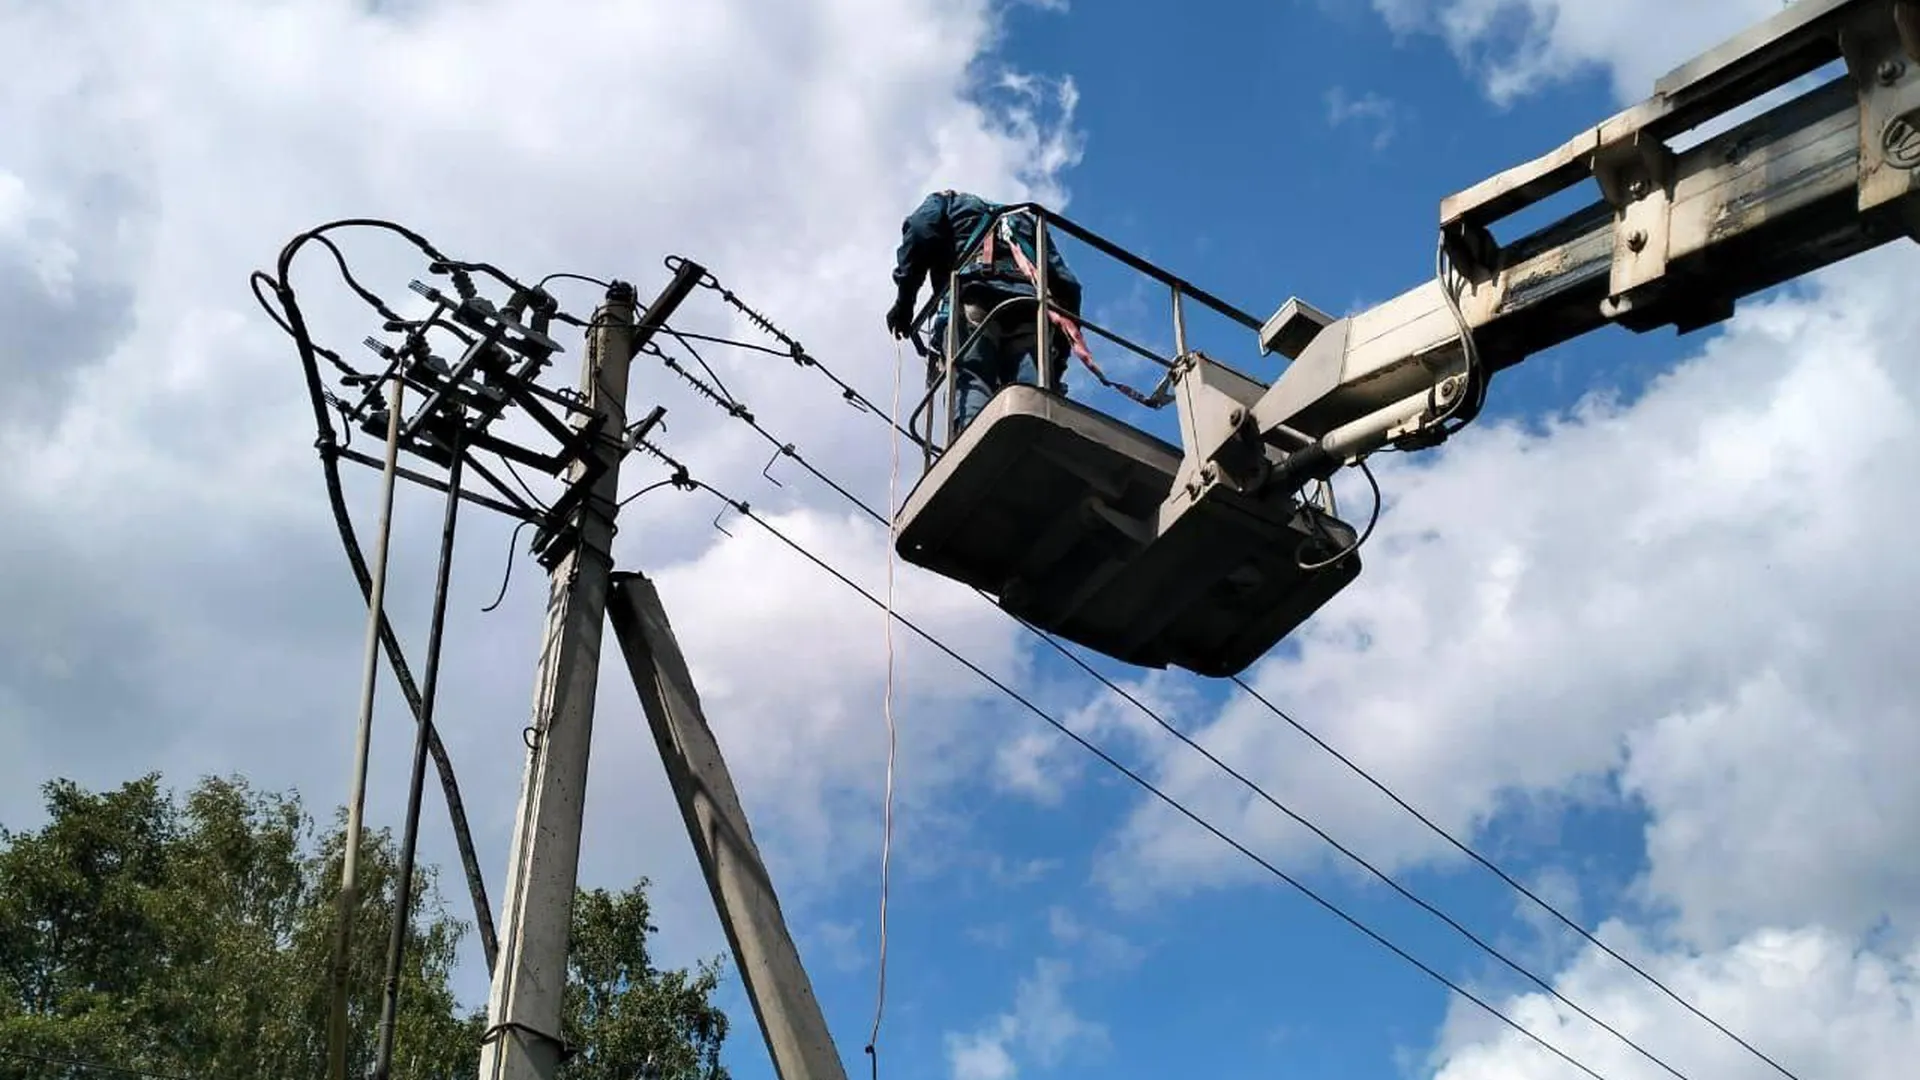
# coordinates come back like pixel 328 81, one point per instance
pixel 1057 512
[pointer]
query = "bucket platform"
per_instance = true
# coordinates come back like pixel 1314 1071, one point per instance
pixel 1061 514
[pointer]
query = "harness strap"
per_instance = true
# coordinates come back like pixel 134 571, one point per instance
pixel 1071 328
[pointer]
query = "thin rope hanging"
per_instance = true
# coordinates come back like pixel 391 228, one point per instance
pixel 886 829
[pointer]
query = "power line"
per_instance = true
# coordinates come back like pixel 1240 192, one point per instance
pixel 1368 866
pixel 95 1066
pixel 1402 803
pixel 746 511
pixel 1246 781
pixel 1502 874
pixel 797 352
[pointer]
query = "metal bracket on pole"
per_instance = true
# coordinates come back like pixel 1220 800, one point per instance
pixel 1636 175
pixel 1882 52
pixel 795 1030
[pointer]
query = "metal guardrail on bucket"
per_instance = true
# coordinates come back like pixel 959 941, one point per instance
pixel 940 362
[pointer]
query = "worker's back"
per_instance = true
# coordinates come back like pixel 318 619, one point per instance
pixel 954 224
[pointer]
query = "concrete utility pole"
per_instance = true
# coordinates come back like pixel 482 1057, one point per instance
pixel 783 1000
pixel 523 1039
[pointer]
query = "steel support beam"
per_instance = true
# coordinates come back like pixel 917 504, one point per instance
pixel 1677 236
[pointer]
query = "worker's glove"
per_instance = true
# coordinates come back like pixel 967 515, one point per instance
pixel 900 316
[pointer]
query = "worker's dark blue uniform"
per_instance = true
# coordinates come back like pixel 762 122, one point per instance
pixel 948 227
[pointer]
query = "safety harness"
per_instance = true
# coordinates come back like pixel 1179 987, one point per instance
pixel 1001 227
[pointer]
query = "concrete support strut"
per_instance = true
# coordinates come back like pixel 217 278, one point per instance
pixel 783 1000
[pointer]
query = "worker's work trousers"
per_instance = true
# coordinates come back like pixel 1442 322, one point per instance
pixel 1003 353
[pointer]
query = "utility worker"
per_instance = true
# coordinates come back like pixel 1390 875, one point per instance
pixel 996 258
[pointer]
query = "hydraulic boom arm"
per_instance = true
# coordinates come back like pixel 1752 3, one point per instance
pixel 1677 237
pixel 1207 556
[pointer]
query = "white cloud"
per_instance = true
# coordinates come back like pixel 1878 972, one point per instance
pixel 1369 110
pixel 1808 999
pixel 980 1056
pixel 1523 46
pixel 792 667
pixel 1042 1027
pixel 1689 606
pixel 1105 950
pixel 1696 598
pixel 1027 765
pixel 176 598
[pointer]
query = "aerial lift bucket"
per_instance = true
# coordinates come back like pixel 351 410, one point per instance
pixel 1061 514
pixel 1095 531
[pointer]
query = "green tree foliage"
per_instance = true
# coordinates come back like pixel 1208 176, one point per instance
pixel 622 1013
pixel 192 938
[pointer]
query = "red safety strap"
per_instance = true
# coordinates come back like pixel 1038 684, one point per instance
pixel 1071 328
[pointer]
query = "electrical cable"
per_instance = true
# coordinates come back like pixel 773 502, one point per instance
pixel 1384 877
pixel 288 317
pixel 735 343
pixel 655 486
pixel 739 411
pixel 702 361
pixel 522 481
pixel 796 352
pixel 587 278
pixel 1253 787
pixel 1492 867
pixel 1372 520
pixel 368 296
pixel 507 576
pixel 744 510
pixel 1477 377
pixel 1508 879
pixel 348 897
pixel 95 1066
pixel 886 834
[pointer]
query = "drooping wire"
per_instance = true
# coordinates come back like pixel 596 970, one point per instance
pixel 587 278
pixel 288 317
pixel 1372 520
pixel 1503 875
pixel 795 351
pixel 522 481
pixel 739 411
pixel 701 360
pixel 673 481
pixel 735 343
pixel 1184 738
pixel 744 510
pixel 507 575
pixel 1475 366
pixel 1051 641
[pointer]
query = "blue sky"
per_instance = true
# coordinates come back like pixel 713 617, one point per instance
pixel 1646 650
pixel 1260 151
